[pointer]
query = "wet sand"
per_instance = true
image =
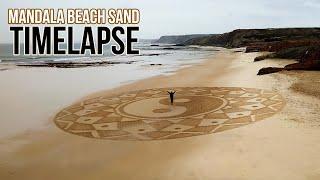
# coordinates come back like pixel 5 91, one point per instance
pixel 284 146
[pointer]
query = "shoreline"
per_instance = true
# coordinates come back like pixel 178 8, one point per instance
pixel 269 149
pixel 62 86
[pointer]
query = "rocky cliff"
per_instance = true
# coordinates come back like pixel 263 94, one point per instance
pixel 302 44
pixel 179 39
pixel 250 37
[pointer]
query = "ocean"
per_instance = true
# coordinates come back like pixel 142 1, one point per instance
pixel 167 57
pixel 37 92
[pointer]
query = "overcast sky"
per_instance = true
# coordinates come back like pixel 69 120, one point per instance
pixel 173 17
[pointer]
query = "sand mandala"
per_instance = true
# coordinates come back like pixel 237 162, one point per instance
pixel 149 115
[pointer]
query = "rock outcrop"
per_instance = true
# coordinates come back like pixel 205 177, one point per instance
pixel 269 70
pixel 71 64
pixel 308 58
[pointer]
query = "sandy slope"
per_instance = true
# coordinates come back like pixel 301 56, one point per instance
pixel 285 146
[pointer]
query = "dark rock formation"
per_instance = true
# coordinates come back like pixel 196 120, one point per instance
pixel 152 54
pixel 178 45
pixel 309 65
pixel 269 70
pixel 168 48
pixel 71 64
pixel 308 59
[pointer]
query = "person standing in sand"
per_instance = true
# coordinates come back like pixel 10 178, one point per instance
pixel 171 94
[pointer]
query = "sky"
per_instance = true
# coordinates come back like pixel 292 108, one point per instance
pixel 177 17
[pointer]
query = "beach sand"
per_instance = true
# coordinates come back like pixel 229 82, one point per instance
pixel 284 146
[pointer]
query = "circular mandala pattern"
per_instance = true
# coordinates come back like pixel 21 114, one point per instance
pixel 148 114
